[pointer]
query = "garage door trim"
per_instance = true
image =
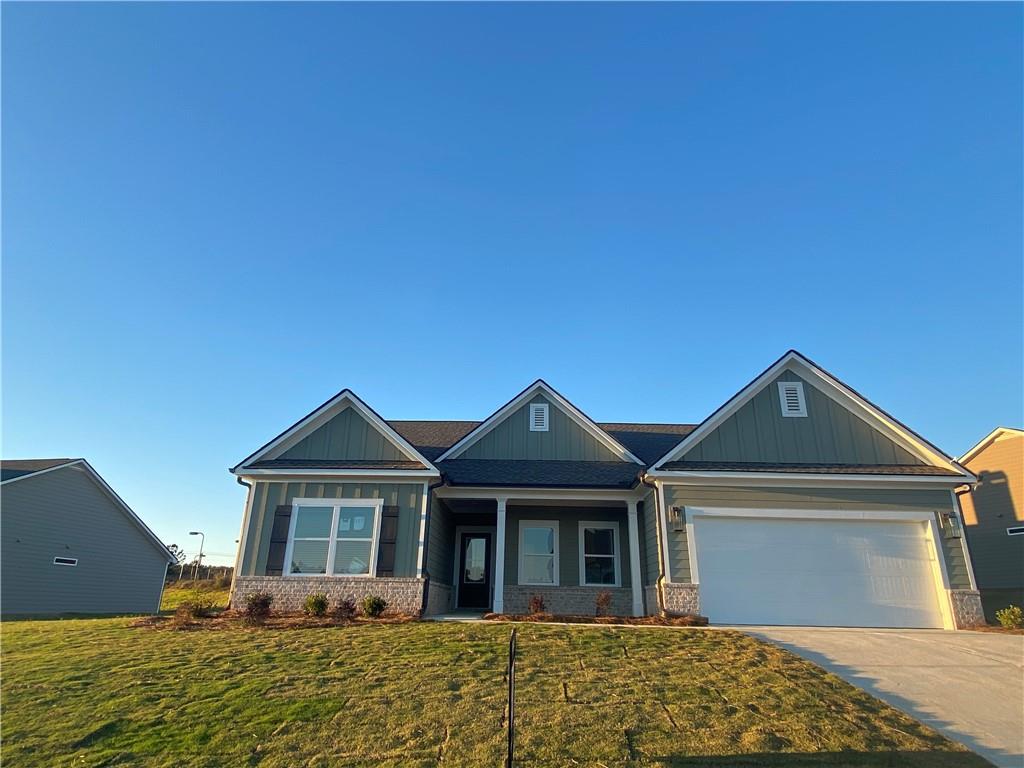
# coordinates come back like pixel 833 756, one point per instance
pixel 929 524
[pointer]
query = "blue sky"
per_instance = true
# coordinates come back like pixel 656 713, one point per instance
pixel 217 216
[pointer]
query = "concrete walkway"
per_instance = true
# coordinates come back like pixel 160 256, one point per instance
pixel 967 685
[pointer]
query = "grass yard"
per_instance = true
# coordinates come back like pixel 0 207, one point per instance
pixel 174 596
pixel 98 692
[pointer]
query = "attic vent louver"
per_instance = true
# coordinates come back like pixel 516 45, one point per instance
pixel 538 417
pixel 791 396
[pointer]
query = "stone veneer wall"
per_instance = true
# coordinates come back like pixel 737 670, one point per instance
pixel 578 601
pixel 439 598
pixel 682 598
pixel 403 595
pixel 967 610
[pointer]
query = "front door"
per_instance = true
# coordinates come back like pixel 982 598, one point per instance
pixel 475 570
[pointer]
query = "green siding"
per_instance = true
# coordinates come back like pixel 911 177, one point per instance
pixel 64 513
pixel 917 500
pixel 829 434
pixel 440 543
pixel 568 539
pixel 268 495
pixel 347 436
pixel 565 440
pixel 647 517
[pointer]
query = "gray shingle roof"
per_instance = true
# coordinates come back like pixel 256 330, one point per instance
pixel 12 468
pixel 828 469
pixel 542 474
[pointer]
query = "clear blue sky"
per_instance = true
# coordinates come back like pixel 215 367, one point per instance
pixel 217 216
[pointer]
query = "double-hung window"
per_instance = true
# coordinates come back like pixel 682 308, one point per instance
pixel 599 554
pixel 538 552
pixel 333 537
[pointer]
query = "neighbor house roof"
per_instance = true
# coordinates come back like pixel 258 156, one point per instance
pixel 988 439
pixel 14 468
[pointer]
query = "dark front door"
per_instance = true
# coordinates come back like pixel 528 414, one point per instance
pixel 475 570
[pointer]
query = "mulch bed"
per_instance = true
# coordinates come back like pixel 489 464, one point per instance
pixel 669 620
pixel 236 620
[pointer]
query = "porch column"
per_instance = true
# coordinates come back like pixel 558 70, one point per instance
pixel 499 559
pixel 634 559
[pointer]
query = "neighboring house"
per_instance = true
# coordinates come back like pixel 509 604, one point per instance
pixel 70 545
pixel 796 502
pixel 994 515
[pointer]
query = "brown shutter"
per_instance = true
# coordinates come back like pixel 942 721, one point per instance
pixel 388 537
pixel 279 540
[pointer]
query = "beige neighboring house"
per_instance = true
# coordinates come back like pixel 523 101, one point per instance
pixel 993 514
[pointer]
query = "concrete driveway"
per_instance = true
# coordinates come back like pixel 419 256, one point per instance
pixel 967 685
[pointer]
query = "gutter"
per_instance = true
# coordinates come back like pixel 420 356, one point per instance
pixel 662 565
pixel 426 544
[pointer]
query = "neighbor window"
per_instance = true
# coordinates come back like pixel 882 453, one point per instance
pixel 1017 530
pixel 599 554
pixel 65 561
pixel 538 552
pixel 335 537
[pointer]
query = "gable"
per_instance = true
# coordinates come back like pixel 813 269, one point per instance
pixel 346 436
pixel 565 439
pixel 829 434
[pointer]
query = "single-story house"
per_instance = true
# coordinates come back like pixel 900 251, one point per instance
pixel 797 502
pixel 70 544
pixel 993 511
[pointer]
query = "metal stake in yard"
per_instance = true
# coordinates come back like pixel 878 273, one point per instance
pixel 511 698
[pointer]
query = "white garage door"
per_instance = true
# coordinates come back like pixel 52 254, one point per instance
pixel 849 573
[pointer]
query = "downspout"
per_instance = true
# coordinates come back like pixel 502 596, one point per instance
pixel 426 543
pixel 660 583
pixel 241 537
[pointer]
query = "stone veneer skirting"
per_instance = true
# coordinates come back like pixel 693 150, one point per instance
pixel 967 610
pixel 403 595
pixel 682 598
pixel 569 601
pixel 439 598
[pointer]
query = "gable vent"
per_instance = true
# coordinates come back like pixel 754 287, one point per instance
pixel 538 417
pixel 791 396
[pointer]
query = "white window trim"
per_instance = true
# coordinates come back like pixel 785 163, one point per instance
pixel 73 561
pixel 612 526
pixel 536 408
pixel 336 505
pixel 523 525
pixel 798 387
pixel 1015 530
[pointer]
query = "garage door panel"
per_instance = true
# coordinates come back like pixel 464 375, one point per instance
pixel 814 572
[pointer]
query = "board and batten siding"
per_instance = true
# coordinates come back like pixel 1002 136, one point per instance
pixel 829 434
pixel 268 495
pixel 64 513
pixel 650 569
pixel 864 499
pixel 568 519
pixel 346 436
pixel 565 440
pixel 440 543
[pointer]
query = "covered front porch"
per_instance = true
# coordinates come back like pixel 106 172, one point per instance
pixel 501 550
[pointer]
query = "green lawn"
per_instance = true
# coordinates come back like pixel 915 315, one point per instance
pixel 98 692
pixel 174 596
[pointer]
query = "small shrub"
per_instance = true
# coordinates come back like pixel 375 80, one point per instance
pixel 602 602
pixel 1011 617
pixel 345 609
pixel 196 605
pixel 537 604
pixel 373 606
pixel 257 607
pixel 315 604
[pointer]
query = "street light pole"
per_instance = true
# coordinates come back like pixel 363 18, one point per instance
pixel 199 559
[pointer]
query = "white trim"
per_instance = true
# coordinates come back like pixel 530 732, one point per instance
pixel 421 547
pixel 1015 530
pixel 546 494
pixel 500 517
pixel 797 387
pixel 335 505
pixel 927 519
pixel 663 517
pixel 459 530
pixel 959 512
pixel 608 525
pixel 310 423
pixel 523 525
pixel 688 477
pixel 635 578
pixel 163 586
pixel 348 474
pixel 73 561
pixel 991 437
pixel 830 387
pixel 92 473
pixel 568 408
pixel 243 534
pixel 691 548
